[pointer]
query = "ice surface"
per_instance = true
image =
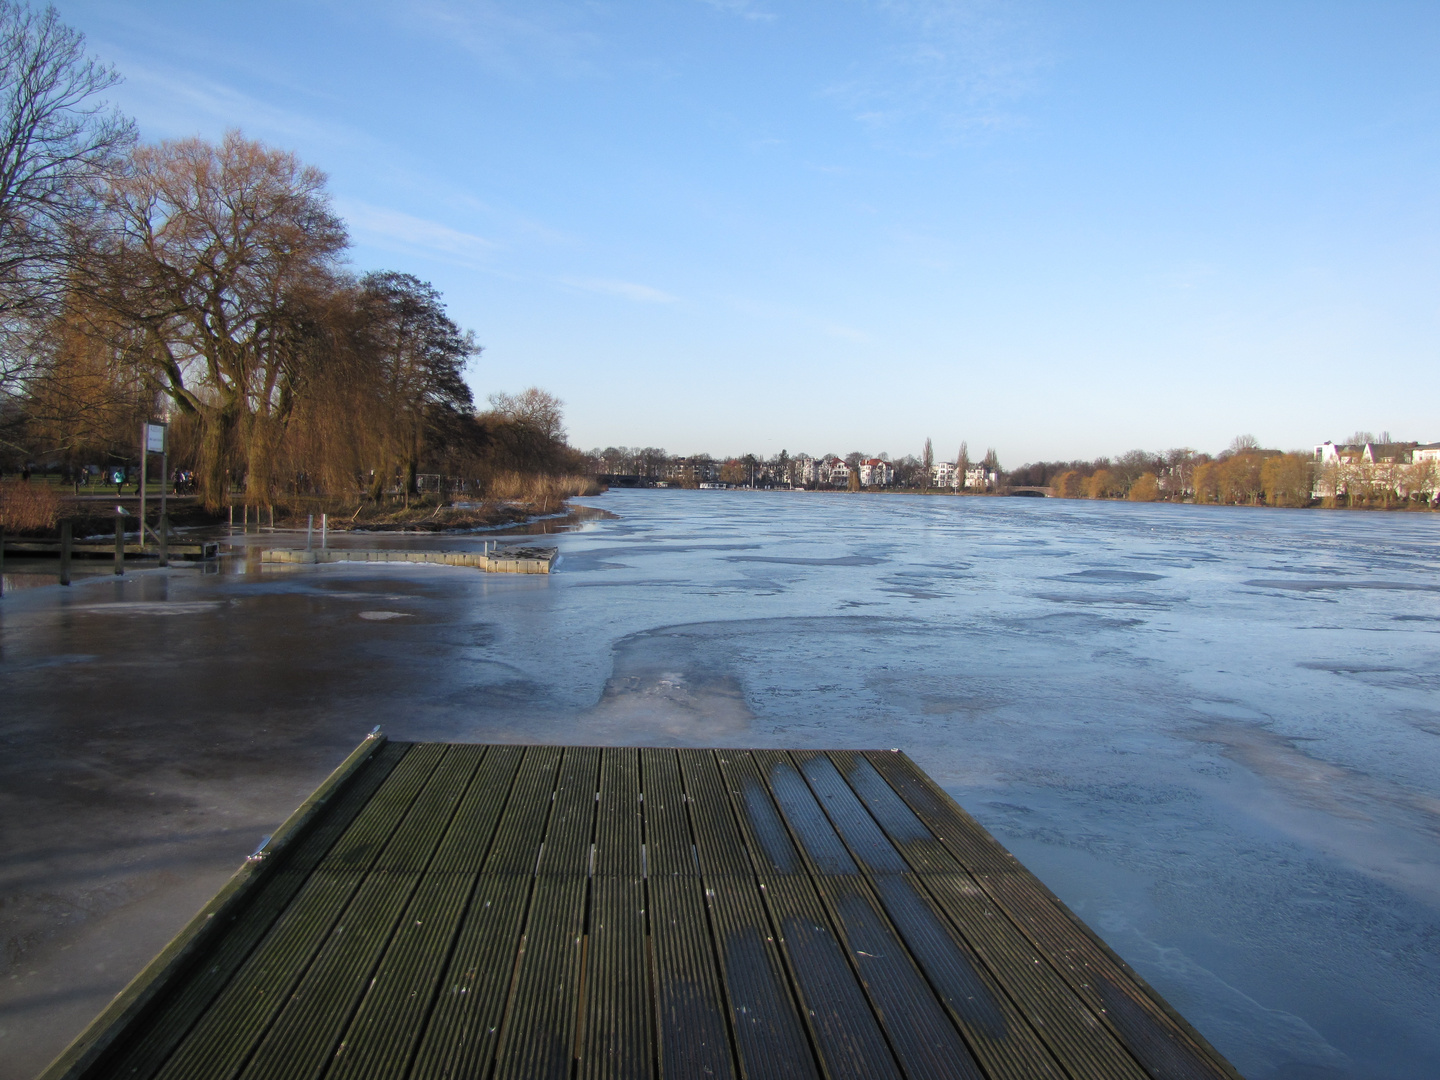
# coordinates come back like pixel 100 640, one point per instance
pixel 1214 732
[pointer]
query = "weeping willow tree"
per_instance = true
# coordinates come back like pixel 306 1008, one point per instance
pixel 380 390
pixel 83 398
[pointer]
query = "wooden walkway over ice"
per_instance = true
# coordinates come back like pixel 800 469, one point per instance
pixel 468 911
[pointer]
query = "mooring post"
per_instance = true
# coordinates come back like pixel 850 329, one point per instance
pixel 309 530
pixel 65 534
pixel 245 519
pixel 2 562
pixel 232 519
pixel 119 542
pixel 324 524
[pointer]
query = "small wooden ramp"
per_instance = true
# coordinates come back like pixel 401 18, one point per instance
pixel 465 911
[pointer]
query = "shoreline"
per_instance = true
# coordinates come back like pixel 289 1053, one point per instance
pixel 942 493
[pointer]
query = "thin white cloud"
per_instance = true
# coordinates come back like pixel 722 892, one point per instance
pixel 172 103
pixel 549 38
pixel 398 231
pixel 643 294
pixel 744 9
pixel 962 64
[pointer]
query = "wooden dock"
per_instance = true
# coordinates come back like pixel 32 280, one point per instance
pixel 458 911
pixel 509 560
pixel 105 549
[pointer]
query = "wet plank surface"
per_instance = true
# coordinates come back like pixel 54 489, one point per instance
pixel 502 911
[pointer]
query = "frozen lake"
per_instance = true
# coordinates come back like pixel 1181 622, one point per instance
pixel 1213 732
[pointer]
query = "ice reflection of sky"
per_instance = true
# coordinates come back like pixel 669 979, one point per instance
pixel 1213 732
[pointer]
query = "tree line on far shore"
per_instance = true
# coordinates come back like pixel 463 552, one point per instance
pixel 205 282
pixel 1244 474
pixel 1366 471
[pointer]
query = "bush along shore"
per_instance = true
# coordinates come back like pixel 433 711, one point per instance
pixel 34 509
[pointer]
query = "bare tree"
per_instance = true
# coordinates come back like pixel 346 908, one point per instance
pixel 1240 444
pixel 56 136
pixel 535 408
pixel 213 256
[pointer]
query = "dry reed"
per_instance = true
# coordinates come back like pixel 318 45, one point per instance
pixel 538 487
pixel 28 507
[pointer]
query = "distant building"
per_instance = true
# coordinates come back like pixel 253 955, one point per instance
pixel 697 470
pixel 833 471
pixel 1363 469
pixel 943 474
pixel 803 468
pixel 1425 452
pixel 981 478
pixel 876 473
pixel 1328 453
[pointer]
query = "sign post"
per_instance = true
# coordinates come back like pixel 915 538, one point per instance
pixel 152 441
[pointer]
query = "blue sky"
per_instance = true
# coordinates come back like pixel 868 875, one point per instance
pixel 745 225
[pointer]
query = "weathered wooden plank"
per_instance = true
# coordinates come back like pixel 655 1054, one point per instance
pixel 1079 1037
pixel 1003 1041
pixel 958 832
pixel 842 1022
pixel 367 837
pixel 769 842
pixel 317 841
pixel 850 818
pixel 718 845
pixel 1076 1035
pixel 921 1034
pixel 522 829
pixel 846 1031
pixel 692 1030
pixel 618 1032
pixel 1163 1047
pixel 570 835
pixel 391 1020
pixel 308 1029
pixel 464 1025
pixel 618 1038
pixel 387 1026
pixel 691 1026
pixel 669 848
pixel 618 823
pixel 824 851
pixel 220 1044
pixel 471 835
pixel 922 852
pixel 538 1040
pixel 1162 1043
pixel 539 1036
pixel 771 1037
pixel 414 842
pixel 467 911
